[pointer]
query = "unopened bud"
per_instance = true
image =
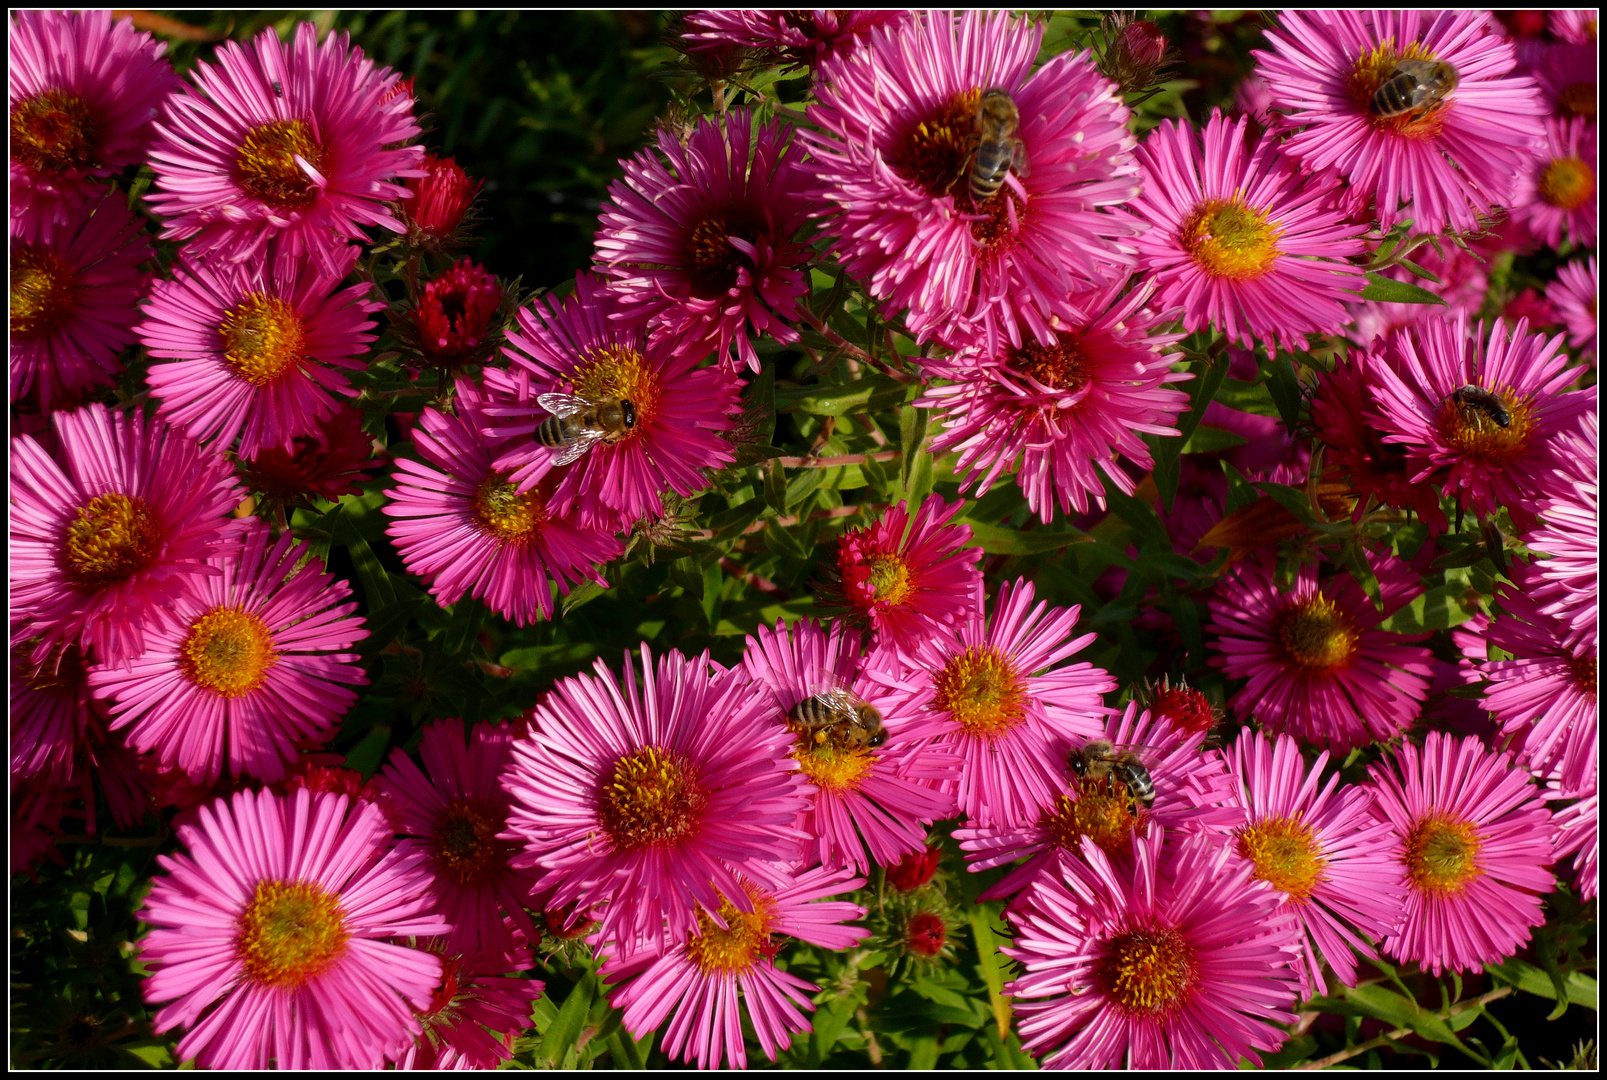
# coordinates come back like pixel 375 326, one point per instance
pixel 914 869
pixel 925 934
pixel 440 200
pixel 1144 43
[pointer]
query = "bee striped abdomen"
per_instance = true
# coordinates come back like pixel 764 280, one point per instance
pixel 554 432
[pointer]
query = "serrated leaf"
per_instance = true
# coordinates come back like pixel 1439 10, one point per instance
pixel 1440 608
pixel 1388 291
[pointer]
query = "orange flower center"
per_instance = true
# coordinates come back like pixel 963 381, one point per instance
pixel 831 764
pixel 733 950
pixel 265 166
pixel 263 339
pixel 1317 636
pixel 1147 973
pixel 1578 99
pixel 1061 366
pixel 981 689
pixel 1230 239
pixel 1285 854
pixel 1104 809
pixel 505 513
pixel 620 372
pixel 54 132
pixel 463 842
pixel 228 651
pixel 111 538
pixel 1442 854
pixel 1372 70
pixel 1477 437
pixel 651 798
pixel 290 933
pixel 44 292
pixel 1567 183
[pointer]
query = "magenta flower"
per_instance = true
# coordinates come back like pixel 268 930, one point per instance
pixel 269 940
pixel 575 345
pixel 1181 964
pixel 249 664
pixel 1578 830
pixel 474 1017
pixel 1005 707
pixel 298 144
pixel 880 798
pixel 49 711
pixel 1442 167
pixel 1573 25
pixel 1566 585
pixel 75 287
pixel 102 547
pixel 1557 188
pixel 1192 794
pixel 1566 74
pixel 465 528
pixel 1487 464
pixel 1317 663
pixel 84 91
pixel 256 350
pixel 908 580
pixel 699 242
pixel 1574 295
pixel 1474 838
pixel 457 812
pixel 896 120
pixel 1322 850
pixel 647 801
pixel 799 37
pixel 693 980
pixel 1242 238
pixel 454 313
pixel 1062 409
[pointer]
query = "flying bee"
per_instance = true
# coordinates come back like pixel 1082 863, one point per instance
pixel 1413 86
pixel 581 423
pixel 1471 397
pixel 1103 759
pixel 840 713
pixel 998 150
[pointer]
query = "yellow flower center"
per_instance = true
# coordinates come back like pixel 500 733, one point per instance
pixel 1478 438
pixel 732 951
pixel 620 372
pixel 1285 854
pixel 1104 809
pixel 711 259
pixel 1147 973
pixel 1372 70
pixel 982 691
pixel 111 538
pixel 830 763
pixel 228 651
pixel 1317 635
pixel 1567 183
pixel 463 842
pixel 1061 366
pixel 54 132
pixel 44 292
pixel 263 340
pixel 889 578
pixel 1231 240
pixel 505 513
pixel 290 933
pixel 265 166
pixel 936 152
pixel 651 798
pixel 1442 854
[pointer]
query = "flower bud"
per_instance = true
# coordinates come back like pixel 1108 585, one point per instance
pixel 914 869
pixel 440 200
pixel 1144 43
pixel 455 313
pixel 925 934
pixel 329 464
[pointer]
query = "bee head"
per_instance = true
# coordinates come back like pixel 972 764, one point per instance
pixel 628 411
pixel 1077 763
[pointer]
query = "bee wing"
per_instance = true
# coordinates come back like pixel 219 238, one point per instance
pixel 1145 753
pixel 561 405
pixel 1018 161
pixel 584 442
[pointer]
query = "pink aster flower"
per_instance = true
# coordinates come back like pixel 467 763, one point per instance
pixel 49 710
pixel 1176 960
pixel 75 287
pixel 1317 663
pixel 1474 838
pixel 457 812
pixel 84 91
pixel 465 528
pixel 1574 25
pixel 1007 710
pixel 648 800
pixel 1443 167
pixel 895 147
pixel 269 939
pixel 876 798
pixel 1556 190
pixel 474 1017
pixel 1566 585
pixel 251 662
pixel 255 350
pixel 1191 794
pixel 1062 409
pixel 1322 850
pixel 694 979
pixel 800 37
pixel 102 547
pixel 1566 74
pixel 908 580
pixel 1242 237
pixel 1574 295
pixel 577 345
pixel 297 143
pixel 1578 830
pixel 1486 464
pixel 699 242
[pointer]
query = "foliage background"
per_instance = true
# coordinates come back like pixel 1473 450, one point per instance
pixel 542 105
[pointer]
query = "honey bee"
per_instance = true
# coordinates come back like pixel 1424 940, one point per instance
pixel 581 423
pixel 1103 759
pixel 998 150
pixel 840 713
pixel 1414 86
pixel 1471 397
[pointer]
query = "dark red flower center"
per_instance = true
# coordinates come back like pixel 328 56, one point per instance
pixel 463 842
pixel 265 165
pixel 712 261
pixel 1578 99
pixel 1147 973
pixel 44 292
pixel 935 152
pixel 54 132
pixel 1061 366
pixel 1316 636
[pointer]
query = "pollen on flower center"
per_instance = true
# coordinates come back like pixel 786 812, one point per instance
pixel 111 538
pixel 651 798
pixel 265 166
pixel 621 372
pixel 1442 854
pixel 228 651
pixel 44 292
pixel 505 513
pixel 54 132
pixel 1285 854
pixel 1317 635
pixel 263 339
pixel 1474 435
pixel 889 578
pixel 1104 809
pixel 935 152
pixel 463 841
pixel 731 951
pixel 1567 183
pixel 1147 973
pixel 1230 239
pixel 290 933
pixel 711 259
pixel 1371 71
pixel 830 763
pixel 982 691
pixel 1061 366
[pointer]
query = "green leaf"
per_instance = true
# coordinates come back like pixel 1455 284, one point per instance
pixel 1285 390
pixel 565 1028
pixel 870 394
pixel 875 476
pixel 584 593
pixel 468 615
pixel 828 1022
pixel 625 1052
pixel 1210 440
pixel 775 487
pixel 782 542
pixel 1577 987
pixel 1440 608
pixel 911 437
pixel 713 585
pixel 983 921
pixel 385 623
pixel 364 757
pixel 371 575
pixel 1390 291
pixel 1208 376
pixel 731 522
pixel 1507 1057
pixel 997 540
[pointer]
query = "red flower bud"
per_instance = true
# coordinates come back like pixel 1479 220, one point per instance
pixel 924 934
pixel 1144 43
pixel 914 870
pixel 455 312
pixel 1185 707
pixel 440 199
